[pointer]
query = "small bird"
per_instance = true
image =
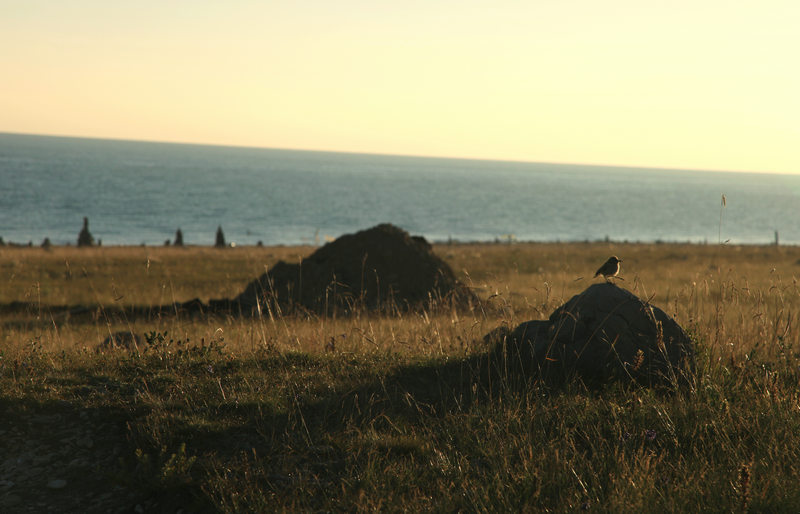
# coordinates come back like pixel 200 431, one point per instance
pixel 610 268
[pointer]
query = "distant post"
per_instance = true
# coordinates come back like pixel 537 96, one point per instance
pixel 85 237
pixel 220 243
pixel 776 238
pixel 178 238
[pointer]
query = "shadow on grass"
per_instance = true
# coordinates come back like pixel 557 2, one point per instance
pixel 291 428
pixel 310 441
pixel 65 456
pixel 24 314
pixel 185 451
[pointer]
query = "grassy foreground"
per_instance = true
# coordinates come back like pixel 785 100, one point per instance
pixel 388 413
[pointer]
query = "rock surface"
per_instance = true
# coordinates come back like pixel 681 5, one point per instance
pixel 382 268
pixel 604 333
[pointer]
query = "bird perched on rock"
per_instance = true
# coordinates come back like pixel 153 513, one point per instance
pixel 610 268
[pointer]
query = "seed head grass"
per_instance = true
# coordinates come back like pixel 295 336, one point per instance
pixel 401 412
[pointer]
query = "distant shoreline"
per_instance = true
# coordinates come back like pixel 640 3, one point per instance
pixel 233 247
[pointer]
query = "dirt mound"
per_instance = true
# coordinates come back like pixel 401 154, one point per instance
pixel 382 268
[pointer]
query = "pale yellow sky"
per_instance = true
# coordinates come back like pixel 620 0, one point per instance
pixel 689 84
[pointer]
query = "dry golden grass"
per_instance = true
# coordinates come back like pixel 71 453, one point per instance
pixel 388 413
pixel 135 275
pixel 728 295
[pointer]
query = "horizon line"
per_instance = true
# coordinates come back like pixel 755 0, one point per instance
pixel 402 155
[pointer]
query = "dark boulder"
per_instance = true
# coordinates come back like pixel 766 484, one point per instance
pixel 382 268
pixel 604 333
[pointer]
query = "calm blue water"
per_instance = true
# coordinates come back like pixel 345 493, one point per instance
pixel 135 192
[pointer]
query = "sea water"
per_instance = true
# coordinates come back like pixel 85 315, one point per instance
pixel 141 193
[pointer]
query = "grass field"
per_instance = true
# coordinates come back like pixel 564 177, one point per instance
pixel 366 413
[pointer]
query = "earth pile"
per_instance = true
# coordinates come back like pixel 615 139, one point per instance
pixel 379 269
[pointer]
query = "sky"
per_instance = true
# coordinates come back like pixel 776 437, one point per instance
pixel 709 84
